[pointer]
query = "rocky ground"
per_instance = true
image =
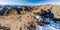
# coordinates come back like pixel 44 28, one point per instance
pixel 26 20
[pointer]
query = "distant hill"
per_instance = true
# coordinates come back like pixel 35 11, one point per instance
pixel 24 9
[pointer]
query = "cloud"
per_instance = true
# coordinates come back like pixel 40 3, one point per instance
pixel 29 2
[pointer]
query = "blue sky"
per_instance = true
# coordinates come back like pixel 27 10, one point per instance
pixel 28 2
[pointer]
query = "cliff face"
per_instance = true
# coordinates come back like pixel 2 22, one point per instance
pixel 23 17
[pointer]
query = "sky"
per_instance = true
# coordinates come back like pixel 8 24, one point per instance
pixel 28 2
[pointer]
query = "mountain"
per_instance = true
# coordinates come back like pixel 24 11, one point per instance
pixel 20 17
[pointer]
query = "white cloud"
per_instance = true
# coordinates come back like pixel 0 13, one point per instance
pixel 22 2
